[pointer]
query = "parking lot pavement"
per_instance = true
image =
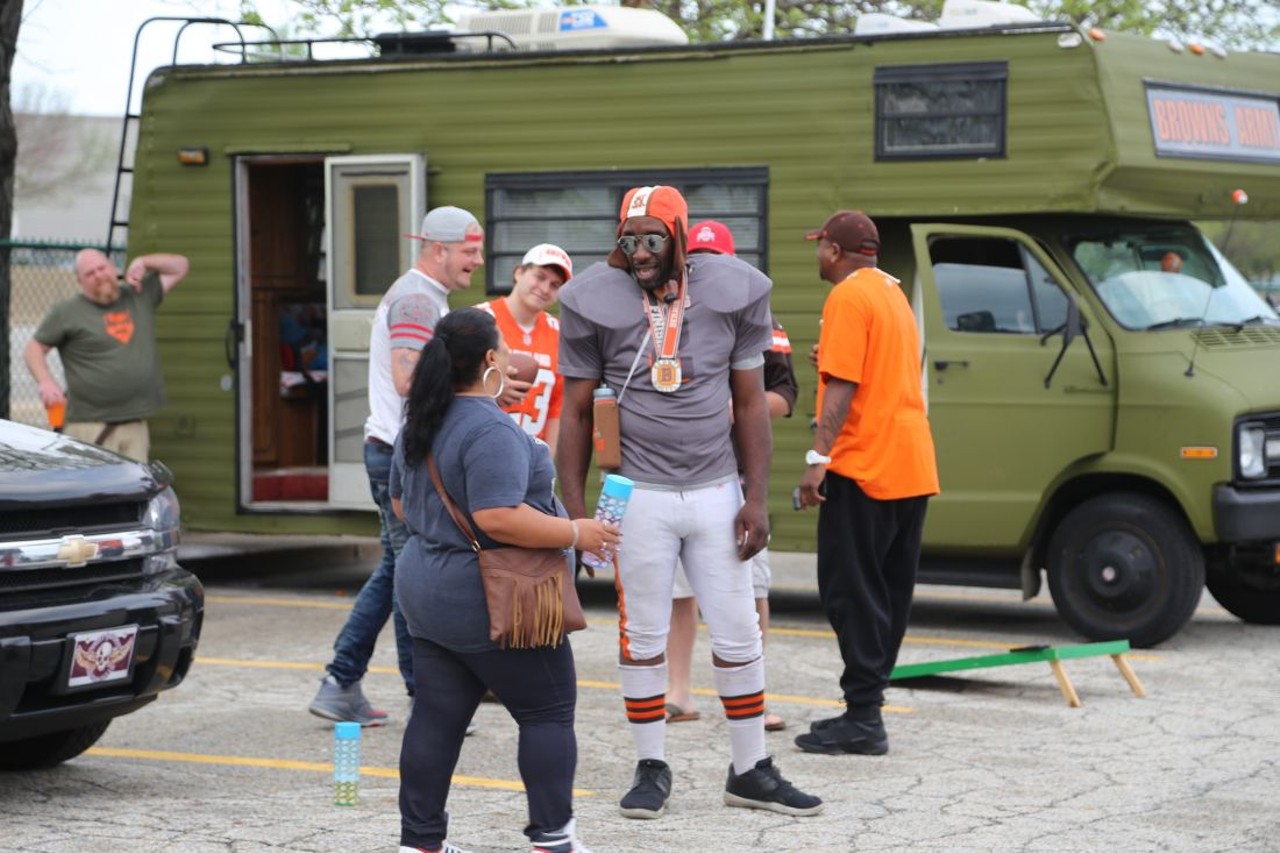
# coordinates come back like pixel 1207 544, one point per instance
pixel 991 760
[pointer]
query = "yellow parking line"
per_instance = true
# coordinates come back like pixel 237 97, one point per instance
pixel 306 766
pixel 264 601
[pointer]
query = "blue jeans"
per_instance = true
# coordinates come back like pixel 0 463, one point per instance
pixel 376 601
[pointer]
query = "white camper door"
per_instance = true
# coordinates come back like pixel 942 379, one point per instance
pixel 371 203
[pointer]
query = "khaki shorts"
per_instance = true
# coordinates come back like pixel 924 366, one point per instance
pixel 131 438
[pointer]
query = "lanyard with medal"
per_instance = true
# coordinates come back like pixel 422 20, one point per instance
pixel 665 328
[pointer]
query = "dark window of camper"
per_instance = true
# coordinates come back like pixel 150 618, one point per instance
pixel 941 111
pixel 578 211
pixel 376 242
pixel 996 286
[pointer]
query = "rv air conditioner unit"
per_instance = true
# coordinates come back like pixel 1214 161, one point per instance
pixel 578 27
pixel 972 14
pixel 879 23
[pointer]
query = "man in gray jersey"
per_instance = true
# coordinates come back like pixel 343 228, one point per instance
pixel 681 342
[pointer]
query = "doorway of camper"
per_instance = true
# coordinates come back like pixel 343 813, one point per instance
pixel 319 241
pixel 283 355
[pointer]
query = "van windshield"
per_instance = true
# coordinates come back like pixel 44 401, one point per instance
pixel 1165 278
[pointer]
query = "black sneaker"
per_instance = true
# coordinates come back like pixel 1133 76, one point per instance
pixel 843 736
pixel 762 787
pixel 650 788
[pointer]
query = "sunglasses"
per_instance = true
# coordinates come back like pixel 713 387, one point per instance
pixel 653 243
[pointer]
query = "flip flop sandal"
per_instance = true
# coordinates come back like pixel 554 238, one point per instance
pixel 676 714
pixel 774 723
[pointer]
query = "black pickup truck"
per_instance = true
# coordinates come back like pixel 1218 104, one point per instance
pixel 96 615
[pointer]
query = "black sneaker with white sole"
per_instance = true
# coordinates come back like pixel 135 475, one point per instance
pixel 762 787
pixel 650 789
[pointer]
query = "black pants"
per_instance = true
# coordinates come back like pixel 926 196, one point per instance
pixel 539 689
pixel 868 552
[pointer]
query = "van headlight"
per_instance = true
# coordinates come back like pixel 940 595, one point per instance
pixel 1251 451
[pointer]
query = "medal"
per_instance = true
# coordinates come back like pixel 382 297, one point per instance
pixel 665 375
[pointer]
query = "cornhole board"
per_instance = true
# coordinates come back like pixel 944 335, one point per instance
pixel 1053 655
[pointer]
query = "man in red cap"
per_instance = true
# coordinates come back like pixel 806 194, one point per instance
pixel 781 390
pixel 680 340
pixel 870 472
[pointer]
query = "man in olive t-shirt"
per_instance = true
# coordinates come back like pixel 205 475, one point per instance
pixel 106 339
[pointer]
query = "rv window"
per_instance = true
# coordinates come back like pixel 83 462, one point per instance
pixel 941 111
pixel 988 285
pixel 578 211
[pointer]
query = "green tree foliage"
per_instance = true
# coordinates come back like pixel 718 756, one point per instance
pixel 1234 24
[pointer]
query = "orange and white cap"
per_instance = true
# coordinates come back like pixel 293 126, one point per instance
pixel 549 255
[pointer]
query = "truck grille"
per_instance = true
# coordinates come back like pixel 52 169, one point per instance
pixel 16 582
pixel 36 523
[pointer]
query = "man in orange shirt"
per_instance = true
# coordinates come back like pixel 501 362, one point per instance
pixel 528 329
pixel 873 453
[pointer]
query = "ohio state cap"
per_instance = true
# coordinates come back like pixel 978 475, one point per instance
pixel 710 235
pixel 851 230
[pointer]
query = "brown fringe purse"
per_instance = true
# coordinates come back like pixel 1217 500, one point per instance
pixel 530 594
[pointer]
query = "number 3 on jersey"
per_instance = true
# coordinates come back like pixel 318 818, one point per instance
pixel 532 413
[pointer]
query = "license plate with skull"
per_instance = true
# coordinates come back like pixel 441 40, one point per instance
pixel 101 657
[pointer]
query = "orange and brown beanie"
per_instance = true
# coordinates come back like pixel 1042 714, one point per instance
pixel 660 202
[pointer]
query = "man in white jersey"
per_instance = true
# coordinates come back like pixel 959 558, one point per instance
pixel 679 340
pixel 452 249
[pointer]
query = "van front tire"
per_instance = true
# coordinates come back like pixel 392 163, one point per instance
pixel 1125 566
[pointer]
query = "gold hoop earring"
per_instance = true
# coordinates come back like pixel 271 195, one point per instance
pixel 502 382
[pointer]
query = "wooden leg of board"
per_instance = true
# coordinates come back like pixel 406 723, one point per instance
pixel 1064 684
pixel 1129 675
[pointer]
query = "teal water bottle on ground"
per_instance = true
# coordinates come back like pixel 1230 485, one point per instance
pixel 611 507
pixel 346 763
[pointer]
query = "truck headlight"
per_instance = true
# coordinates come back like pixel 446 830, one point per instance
pixel 1251 451
pixel 164 518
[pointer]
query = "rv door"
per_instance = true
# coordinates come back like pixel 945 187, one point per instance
pixel 995 305
pixel 371 202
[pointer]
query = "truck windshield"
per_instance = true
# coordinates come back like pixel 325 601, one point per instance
pixel 1165 278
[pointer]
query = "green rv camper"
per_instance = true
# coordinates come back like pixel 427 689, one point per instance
pixel 1102 419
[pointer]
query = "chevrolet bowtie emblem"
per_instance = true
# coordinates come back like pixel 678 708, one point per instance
pixel 76 550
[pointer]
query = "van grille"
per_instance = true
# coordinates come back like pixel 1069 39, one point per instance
pixel 1248 336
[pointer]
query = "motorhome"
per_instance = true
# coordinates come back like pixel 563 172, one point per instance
pixel 1101 381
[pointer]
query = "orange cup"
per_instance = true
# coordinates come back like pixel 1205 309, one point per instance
pixel 57 415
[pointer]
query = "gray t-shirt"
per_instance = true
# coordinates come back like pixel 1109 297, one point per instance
pixel 485 461
pixel 681 438
pixel 109 353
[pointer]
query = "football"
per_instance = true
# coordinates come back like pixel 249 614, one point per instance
pixel 523 367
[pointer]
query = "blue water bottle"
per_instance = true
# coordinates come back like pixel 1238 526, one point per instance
pixel 611 507
pixel 346 763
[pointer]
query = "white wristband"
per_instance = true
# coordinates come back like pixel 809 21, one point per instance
pixel 574 525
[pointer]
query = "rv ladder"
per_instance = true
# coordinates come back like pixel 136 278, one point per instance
pixel 119 213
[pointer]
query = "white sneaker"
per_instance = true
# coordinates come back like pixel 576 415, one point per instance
pixel 444 848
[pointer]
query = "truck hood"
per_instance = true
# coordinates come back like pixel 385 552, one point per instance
pixel 39 467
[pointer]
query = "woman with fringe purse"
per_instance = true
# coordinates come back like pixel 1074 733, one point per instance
pixel 500 481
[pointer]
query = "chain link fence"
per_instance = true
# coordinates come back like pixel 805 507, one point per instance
pixel 40 275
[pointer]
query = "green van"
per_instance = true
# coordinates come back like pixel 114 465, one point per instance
pixel 1102 420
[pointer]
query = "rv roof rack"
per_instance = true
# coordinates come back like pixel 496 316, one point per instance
pixel 387 45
